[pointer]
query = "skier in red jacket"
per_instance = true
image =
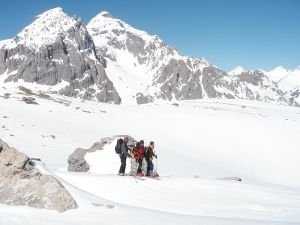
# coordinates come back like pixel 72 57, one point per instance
pixel 140 157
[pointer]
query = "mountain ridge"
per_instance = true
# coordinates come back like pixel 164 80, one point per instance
pixel 110 61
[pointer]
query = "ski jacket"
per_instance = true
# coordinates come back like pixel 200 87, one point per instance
pixel 124 149
pixel 139 153
pixel 149 154
pixel 135 153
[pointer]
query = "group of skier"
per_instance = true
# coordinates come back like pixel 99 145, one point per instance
pixel 141 157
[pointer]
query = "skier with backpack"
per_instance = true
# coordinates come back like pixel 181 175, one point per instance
pixel 150 154
pixel 122 150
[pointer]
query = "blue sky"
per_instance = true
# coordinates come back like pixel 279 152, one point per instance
pixel 251 33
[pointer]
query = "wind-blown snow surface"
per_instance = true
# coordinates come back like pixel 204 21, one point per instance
pixel 197 143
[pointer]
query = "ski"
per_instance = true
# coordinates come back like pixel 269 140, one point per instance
pixel 139 178
pixel 154 177
pixel 147 177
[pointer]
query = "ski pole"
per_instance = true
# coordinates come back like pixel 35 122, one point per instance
pixel 134 174
pixel 156 164
pixel 135 179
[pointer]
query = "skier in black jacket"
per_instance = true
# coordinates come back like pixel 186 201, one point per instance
pixel 123 156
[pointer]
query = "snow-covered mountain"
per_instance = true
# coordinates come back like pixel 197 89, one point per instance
pixel 143 68
pixel 110 61
pixel 277 73
pixel 57 50
pixel 287 80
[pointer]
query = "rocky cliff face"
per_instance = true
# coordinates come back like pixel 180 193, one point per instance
pixel 57 50
pixel 22 184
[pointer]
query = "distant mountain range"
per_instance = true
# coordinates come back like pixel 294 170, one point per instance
pixel 110 61
pixel 287 80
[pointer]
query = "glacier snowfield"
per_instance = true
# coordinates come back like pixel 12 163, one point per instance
pixel 198 142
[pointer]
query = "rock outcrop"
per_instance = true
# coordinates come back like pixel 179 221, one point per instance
pixel 76 160
pixel 23 184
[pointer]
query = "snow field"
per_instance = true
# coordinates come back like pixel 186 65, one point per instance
pixel 197 143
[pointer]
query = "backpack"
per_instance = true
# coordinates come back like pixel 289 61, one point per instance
pixel 118 146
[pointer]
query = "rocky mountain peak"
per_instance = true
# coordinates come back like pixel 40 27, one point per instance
pixel 45 28
pixel 57 49
pixel 106 26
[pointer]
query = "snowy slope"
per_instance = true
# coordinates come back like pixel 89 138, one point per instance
pixel 197 143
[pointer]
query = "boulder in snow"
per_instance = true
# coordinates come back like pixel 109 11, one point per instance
pixel 77 162
pixel 23 184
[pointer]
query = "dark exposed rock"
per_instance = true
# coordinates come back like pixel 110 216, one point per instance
pixel 7 95
pixel 26 90
pixel 141 99
pixel 29 100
